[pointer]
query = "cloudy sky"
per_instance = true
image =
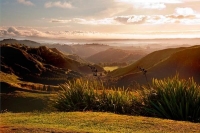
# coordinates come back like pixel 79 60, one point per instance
pixel 99 19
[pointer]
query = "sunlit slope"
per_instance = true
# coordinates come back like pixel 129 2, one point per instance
pixel 146 62
pixel 116 55
pixel 185 61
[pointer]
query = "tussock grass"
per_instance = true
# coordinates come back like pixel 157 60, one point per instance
pixel 82 95
pixel 175 98
pixel 170 98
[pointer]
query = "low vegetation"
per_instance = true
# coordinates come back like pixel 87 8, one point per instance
pixel 175 98
pixel 21 101
pixel 95 122
pixel 58 98
pixel 170 98
pixel 82 95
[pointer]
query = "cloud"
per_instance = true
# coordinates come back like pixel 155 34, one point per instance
pixel 58 4
pixel 148 5
pixel 20 32
pixel 141 19
pixel 185 11
pixel 118 20
pixel 7 32
pixel 31 33
pixel 105 21
pixel 59 21
pixel 175 16
pixel 10 31
pixel 150 1
pixel 133 19
pixel 26 2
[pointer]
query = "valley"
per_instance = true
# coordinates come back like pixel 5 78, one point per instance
pixel 99 66
pixel 92 77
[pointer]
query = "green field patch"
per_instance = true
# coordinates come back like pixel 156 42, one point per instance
pixel 110 68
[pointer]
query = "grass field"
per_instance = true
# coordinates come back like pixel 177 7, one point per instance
pixel 25 101
pixel 90 122
pixel 29 112
pixel 110 68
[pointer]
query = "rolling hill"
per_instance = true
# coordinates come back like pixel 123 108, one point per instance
pixel 83 51
pixel 25 42
pixel 116 55
pixel 162 64
pixel 42 64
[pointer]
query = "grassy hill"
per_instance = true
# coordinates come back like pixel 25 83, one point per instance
pixel 42 64
pixel 83 51
pixel 116 55
pixel 163 63
pixel 25 42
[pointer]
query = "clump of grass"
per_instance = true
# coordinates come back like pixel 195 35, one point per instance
pixel 77 95
pixel 82 95
pixel 174 98
pixel 170 98
pixel 117 100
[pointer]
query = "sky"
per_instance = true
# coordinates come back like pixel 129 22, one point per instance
pixel 99 19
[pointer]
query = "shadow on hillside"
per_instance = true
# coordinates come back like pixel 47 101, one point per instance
pixel 7 88
pixel 15 103
pixel 14 99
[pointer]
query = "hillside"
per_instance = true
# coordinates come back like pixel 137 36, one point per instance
pixel 40 64
pixel 116 55
pixel 25 42
pixel 148 61
pixel 83 51
pixel 161 64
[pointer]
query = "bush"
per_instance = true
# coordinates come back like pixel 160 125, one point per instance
pixel 77 95
pixel 82 95
pixel 173 98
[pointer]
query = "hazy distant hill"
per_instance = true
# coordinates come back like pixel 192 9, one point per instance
pixel 83 51
pixel 40 64
pixel 71 56
pixel 116 55
pixel 161 64
pixel 25 42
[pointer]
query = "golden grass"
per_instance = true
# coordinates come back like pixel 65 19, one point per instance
pixel 94 122
pixel 110 68
pixel 148 61
pixel 15 81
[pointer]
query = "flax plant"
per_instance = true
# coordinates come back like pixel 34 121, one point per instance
pixel 175 98
pixel 83 95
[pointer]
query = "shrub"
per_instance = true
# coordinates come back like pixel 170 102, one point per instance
pixel 115 100
pixel 77 95
pixel 82 95
pixel 174 98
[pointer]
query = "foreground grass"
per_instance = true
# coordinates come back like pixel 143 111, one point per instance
pixel 90 122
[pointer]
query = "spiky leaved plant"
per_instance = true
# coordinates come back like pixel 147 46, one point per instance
pixel 175 98
pixel 82 95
